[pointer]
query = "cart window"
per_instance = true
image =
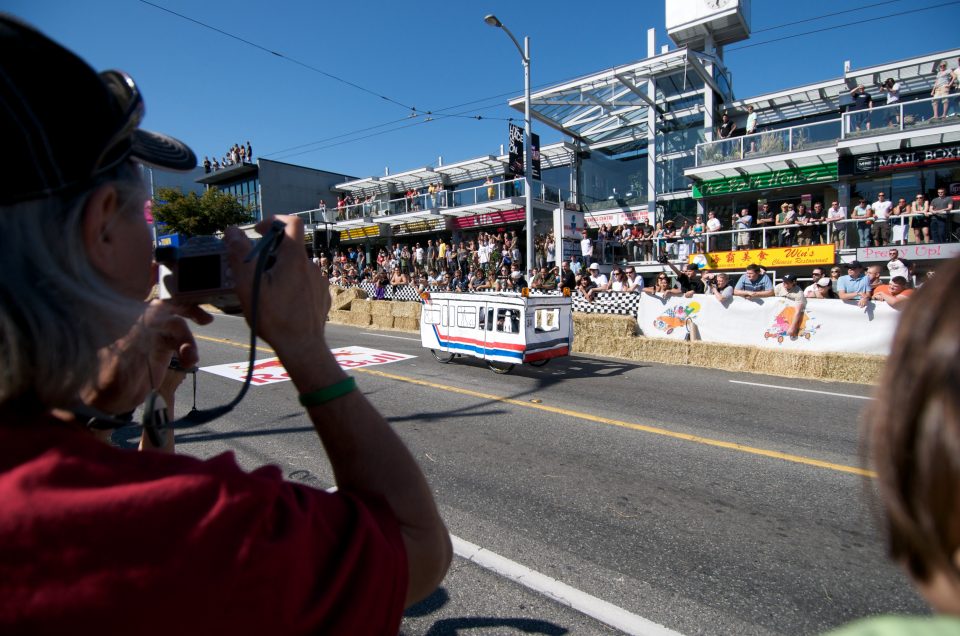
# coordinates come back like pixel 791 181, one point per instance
pixel 546 320
pixel 483 317
pixel 466 318
pixel 431 315
pixel 508 320
pixel 490 320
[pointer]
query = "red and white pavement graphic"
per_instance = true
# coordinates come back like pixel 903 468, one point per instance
pixel 270 371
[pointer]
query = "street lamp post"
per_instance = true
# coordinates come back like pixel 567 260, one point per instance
pixel 527 154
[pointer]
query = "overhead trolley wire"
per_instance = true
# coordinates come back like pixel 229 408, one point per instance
pixel 840 26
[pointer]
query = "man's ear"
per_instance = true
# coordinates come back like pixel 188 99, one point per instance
pixel 98 214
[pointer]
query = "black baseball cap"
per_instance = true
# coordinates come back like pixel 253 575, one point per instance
pixel 63 124
pixel 790 277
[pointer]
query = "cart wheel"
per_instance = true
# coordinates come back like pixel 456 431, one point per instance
pixel 442 356
pixel 669 331
pixel 806 335
pixel 499 367
pixel 539 363
pixel 779 338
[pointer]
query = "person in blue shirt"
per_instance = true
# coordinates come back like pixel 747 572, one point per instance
pixel 754 284
pixel 853 286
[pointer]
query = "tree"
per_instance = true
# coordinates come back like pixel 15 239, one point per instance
pixel 198 215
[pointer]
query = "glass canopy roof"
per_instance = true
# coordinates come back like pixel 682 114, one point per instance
pixel 552 156
pixel 612 107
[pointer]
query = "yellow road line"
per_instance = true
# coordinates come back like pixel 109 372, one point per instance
pixel 707 441
pixel 232 343
pixel 798 459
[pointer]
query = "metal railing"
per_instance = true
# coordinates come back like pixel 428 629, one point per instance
pixel 900 117
pixel 372 210
pixel 822 134
pixel 844 234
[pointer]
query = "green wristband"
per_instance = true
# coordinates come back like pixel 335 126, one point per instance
pixel 326 394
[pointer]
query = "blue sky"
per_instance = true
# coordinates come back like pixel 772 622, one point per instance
pixel 212 90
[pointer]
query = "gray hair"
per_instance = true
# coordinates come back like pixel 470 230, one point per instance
pixel 56 310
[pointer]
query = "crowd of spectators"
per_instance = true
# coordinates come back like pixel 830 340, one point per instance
pixel 488 261
pixel 877 224
pixel 237 154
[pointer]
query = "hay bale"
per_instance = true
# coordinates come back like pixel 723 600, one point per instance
pixel 361 307
pixel 382 322
pixel 405 309
pixel 407 324
pixel 381 308
pixel 607 325
pixel 357 319
pixel 339 316
pixel 345 298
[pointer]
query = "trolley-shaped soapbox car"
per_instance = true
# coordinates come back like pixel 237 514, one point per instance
pixel 505 329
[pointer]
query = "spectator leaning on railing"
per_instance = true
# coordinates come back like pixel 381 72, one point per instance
pixel 790 290
pixel 880 232
pixel 838 230
pixel 940 209
pixel 754 284
pixel 854 285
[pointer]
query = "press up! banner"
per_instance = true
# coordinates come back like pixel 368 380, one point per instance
pixel 827 325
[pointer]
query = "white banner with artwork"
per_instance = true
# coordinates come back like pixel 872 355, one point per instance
pixel 827 325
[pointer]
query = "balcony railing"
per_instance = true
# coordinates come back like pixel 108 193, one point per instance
pixel 899 117
pixel 822 134
pixel 443 200
pixel 845 234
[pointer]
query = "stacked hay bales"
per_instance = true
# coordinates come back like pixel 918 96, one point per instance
pixel 615 337
pixel 406 316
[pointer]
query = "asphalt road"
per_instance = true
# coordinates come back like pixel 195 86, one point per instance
pixel 696 499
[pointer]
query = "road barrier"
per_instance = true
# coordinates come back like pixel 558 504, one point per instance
pixel 618 336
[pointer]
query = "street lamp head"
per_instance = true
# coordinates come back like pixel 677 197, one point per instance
pixel 492 21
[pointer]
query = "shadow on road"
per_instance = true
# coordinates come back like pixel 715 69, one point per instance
pixel 460 624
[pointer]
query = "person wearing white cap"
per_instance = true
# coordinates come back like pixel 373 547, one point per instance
pixel 596 277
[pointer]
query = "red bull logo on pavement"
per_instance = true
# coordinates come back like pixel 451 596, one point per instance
pixel 271 371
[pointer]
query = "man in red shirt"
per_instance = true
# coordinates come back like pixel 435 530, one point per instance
pixel 101 539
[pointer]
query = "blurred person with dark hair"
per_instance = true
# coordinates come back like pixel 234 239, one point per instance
pixel 93 537
pixel 913 436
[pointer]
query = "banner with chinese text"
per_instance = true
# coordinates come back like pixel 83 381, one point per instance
pixel 766 258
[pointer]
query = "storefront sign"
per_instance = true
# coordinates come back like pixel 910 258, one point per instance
pixel 359 233
pixel 596 219
pixel 920 252
pixel 491 218
pixel 768 258
pixel 419 227
pixel 899 159
pixel 775 179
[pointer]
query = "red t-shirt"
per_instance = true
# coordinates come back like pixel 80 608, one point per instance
pixel 120 542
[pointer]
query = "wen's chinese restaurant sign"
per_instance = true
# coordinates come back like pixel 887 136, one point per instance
pixel 766 258
pixel 775 179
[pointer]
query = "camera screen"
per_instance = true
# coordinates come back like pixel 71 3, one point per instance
pixel 198 273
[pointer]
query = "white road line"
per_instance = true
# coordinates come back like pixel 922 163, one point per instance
pixel 562 593
pixel 383 335
pixel 606 613
pixel 793 388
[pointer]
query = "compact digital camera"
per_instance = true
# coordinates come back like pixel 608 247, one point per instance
pixel 663 258
pixel 197 273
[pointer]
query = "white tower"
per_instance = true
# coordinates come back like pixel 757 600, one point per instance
pixel 704 25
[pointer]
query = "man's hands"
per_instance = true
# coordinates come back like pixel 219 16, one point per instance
pixel 293 305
